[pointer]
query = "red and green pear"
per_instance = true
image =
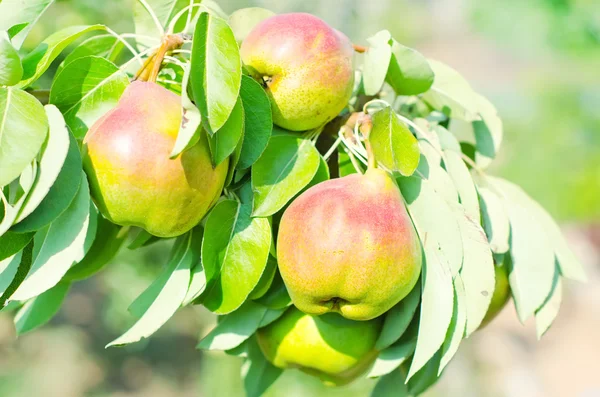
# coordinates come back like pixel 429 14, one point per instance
pixel 348 245
pixel 132 179
pixel 307 67
pixel 331 347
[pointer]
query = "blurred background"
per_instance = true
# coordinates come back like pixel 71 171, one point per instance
pixel 539 63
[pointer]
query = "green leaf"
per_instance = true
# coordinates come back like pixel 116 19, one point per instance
pixel 105 46
pixel 40 309
pixel 430 166
pixel 225 140
pixel 38 60
pixel 258 121
pixel 286 166
pixel 108 241
pixel 11 243
pixel 409 73
pixel 141 238
pixel 545 316
pixel 159 302
pixel 198 280
pixel 11 69
pixel 488 132
pixel 58 246
pixel 14 272
pixel 148 15
pixel 235 249
pixel 393 144
pixel 392 385
pixel 277 296
pixel 434 217
pixel 456 330
pixel 52 159
pixel 234 328
pixel 393 356
pixel 23 185
pixel 265 281
pixel 451 90
pixel 216 70
pixel 398 318
pixel 244 20
pixel 23 129
pixel 189 131
pixel 85 90
pixel 532 272
pixel 477 271
pixel 61 194
pixel 257 372
pixel 376 62
pixel 24 13
pixel 426 376
pixel 494 219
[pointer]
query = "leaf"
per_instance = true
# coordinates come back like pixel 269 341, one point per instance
pixel 148 15
pixel 545 316
pixel 85 90
pixel 23 186
pixel 456 330
pixel 38 60
pixel 392 385
pixel 257 372
pixel 109 239
pixel 286 166
pixel 426 376
pixel 197 283
pixel 488 132
pixel 225 140
pixel 277 296
pixel 451 90
pixel 393 356
pixel 398 318
pixel 258 121
pixel 15 273
pixel 106 46
pixel 409 73
pixel 11 243
pixel 11 69
pixel 433 219
pixel 189 131
pixel 24 13
pixel 376 62
pixel 266 279
pixel 40 309
pixel 235 249
pixel 216 70
pixel 235 328
pixel 23 129
pixel 494 219
pixel 532 272
pixel 61 194
pixel 53 157
pixel 244 20
pixel 477 271
pixel 8 269
pixel 159 302
pixel 59 246
pixel 393 144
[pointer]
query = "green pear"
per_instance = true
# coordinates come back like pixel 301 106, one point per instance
pixel 501 294
pixel 335 349
pixel 132 179
pixel 348 245
pixel 306 65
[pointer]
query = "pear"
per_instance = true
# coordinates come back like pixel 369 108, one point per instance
pixel 132 179
pixel 348 245
pixel 306 65
pixel 335 349
pixel 500 296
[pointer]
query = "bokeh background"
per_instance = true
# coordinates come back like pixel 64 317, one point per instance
pixel 539 63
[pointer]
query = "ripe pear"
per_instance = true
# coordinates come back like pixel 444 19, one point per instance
pixel 335 349
pixel 501 294
pixel 132 179
pixel 307 67
pixel 348 245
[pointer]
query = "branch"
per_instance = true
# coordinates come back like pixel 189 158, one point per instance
pixel 359 48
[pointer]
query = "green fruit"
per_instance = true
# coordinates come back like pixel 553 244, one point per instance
pixel 307 67
pixel 335 349
pixel 132 179
pixel 348 245
pixel 501 294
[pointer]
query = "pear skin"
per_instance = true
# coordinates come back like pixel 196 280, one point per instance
pixel 307 67
pixel 335 349
pixel 132 179
pixel 348 245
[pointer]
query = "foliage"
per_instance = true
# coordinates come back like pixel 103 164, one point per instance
pixel 430 129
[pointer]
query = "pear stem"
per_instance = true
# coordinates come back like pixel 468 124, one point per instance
pixel 359 48
pixel 151 67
